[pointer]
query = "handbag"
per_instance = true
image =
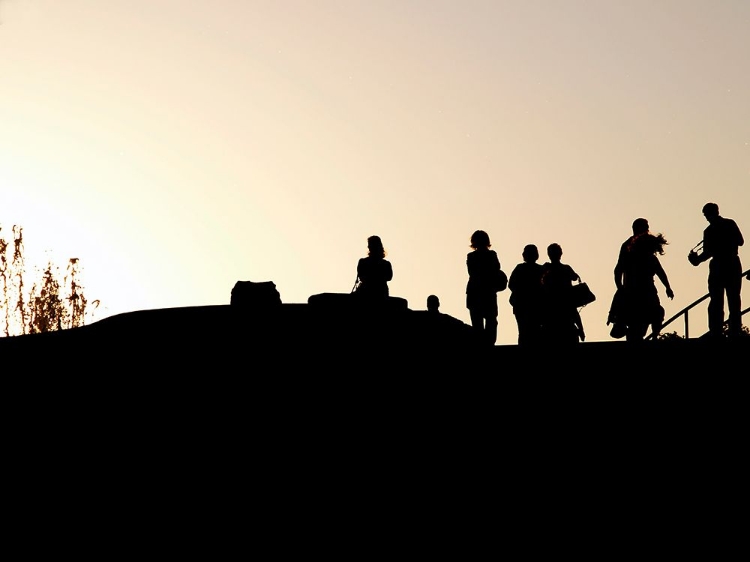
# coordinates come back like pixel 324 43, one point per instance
pixel 581 294
pixel 501 281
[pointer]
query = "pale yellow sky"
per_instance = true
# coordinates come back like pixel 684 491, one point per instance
pixel 177 146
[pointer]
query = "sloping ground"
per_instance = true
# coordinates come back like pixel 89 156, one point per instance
pixel 337 337
pixel 189 416
pixel 263 336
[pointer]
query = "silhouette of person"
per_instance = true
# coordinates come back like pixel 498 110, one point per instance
pixel 482 264
pixel 435 328
pixel 637 306
pixel 374 271
pixel 561 322
pixel 721 241
pixel 525 284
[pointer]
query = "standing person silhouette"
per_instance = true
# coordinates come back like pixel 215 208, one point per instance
pixel 374 272
pixel 483 265
pixel 525 284
pixel 721 241
pixel 637 306
pixel 561 322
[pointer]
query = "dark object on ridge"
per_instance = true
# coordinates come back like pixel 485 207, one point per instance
pixel 256 294
pixel 350 301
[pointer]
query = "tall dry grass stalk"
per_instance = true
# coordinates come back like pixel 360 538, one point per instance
pixel 54 302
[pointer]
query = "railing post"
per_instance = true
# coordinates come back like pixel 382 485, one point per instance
pixel 687 332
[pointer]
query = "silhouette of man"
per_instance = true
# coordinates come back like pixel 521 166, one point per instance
pixel 525 284
pixel 721 241
pixel 433 304
pixel 561 321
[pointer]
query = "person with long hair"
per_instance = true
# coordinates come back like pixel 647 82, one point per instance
pixel 637 305
pixel 483 266
pixel 374 271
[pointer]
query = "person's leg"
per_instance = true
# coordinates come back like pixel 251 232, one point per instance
pixel 716 303
pixel 490 329
pixel 477 323
pixel 734 302
pixel 534 329
pixel 521 322
pixel 637 326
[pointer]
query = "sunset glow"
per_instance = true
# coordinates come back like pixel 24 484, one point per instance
pixel 178 146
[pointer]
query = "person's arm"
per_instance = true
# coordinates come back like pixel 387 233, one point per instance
pixel 707 252
pixel 740 239
pixel 513 278
pixel 388 271
pixel 579 325
pixel 662 275
pixel 573 275
pixel 494 261
pixel 620 267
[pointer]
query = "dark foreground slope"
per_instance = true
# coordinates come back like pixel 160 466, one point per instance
pixel 308 424
pixel 338 338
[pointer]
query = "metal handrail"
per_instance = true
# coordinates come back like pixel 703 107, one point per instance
pixel 686 310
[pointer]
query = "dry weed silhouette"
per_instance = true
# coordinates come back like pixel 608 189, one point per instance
pixel 54 302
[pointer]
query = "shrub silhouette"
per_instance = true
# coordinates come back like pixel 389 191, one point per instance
pixel 744 331
pixel 669 336
pixel 54 302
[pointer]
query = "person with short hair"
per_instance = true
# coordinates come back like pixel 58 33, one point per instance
pixel 525 284
pixel 483 265
pixel 721 241
pixel 561 321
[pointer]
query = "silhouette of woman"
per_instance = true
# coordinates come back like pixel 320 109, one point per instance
pixel 374 271
pixel 561 322
pixel 637 305
pixel 482 264
pixel 525 284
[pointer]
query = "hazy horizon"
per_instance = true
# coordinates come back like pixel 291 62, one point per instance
pixel 176 147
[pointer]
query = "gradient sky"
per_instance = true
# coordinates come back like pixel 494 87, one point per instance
pixel 177 146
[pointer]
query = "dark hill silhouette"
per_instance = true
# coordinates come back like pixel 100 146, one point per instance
pixel 291 407
pixel 336 333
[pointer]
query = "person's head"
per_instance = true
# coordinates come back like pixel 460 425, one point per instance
pixel 433 303
pixel 554 251
pixel 530 253
pixel 375 247
pixel 710 211
pixel 640 226
pixel 480 239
